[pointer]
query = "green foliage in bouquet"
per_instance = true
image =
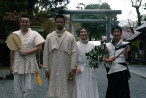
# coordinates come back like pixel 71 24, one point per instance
pixel 95 56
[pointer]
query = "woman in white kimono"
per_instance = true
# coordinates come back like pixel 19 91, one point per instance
pixel 86 83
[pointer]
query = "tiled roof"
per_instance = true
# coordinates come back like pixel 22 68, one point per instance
pixel 134 36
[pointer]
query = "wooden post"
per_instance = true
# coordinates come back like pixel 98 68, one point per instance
pixel 71 25
pixel 108 28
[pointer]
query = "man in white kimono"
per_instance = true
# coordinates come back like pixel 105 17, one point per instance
pixel 59 59
pixel 24 69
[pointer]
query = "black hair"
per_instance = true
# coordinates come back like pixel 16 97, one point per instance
pixel 116 27
pixel 60 16
pixel 80 30
pixel 24 16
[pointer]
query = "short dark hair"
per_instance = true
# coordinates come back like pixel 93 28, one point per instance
pixel 60 16
pixel 24 16
pixel 116 27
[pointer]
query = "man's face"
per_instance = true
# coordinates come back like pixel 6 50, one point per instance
pixel 60 23
pixel 117 34
pixel 24 23
pixel 83 34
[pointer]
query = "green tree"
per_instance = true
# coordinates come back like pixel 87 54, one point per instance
pixel 11 5
pixel 96 30
pixel 7 6
pixel 37 9
pixel 53 7
pixel 30 5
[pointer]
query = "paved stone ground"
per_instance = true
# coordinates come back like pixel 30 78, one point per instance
pixel 139 70
pixel 137 85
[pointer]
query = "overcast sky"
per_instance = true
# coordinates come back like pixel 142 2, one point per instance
pixel 124 5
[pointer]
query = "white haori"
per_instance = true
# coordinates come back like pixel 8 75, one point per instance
pixel 30 40
pixel 113 52
pixel 60 54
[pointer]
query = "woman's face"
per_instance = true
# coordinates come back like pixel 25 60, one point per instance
pixel 83 34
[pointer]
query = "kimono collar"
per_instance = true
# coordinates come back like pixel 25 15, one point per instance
pixel 29 29
pixel 84 41
pixel 60 32
pixel 118 44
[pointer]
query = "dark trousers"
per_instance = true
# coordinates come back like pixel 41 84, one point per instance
pixel 118 86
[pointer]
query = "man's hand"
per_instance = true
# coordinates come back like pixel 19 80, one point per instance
pixel 47 74
pixel 112 59
pixel 23 52
pixel 125 54
pixel 109 60
pixel 71 74
pixel 30 51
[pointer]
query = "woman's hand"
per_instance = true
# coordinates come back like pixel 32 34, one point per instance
pixel 78 70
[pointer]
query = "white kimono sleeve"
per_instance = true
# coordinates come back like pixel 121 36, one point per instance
pixel 46 53
pixel 73 54
pixel 38 39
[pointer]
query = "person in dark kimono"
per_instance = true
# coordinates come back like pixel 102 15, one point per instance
pixel 118 74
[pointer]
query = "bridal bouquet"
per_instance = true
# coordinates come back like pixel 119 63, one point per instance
pixel 95 56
